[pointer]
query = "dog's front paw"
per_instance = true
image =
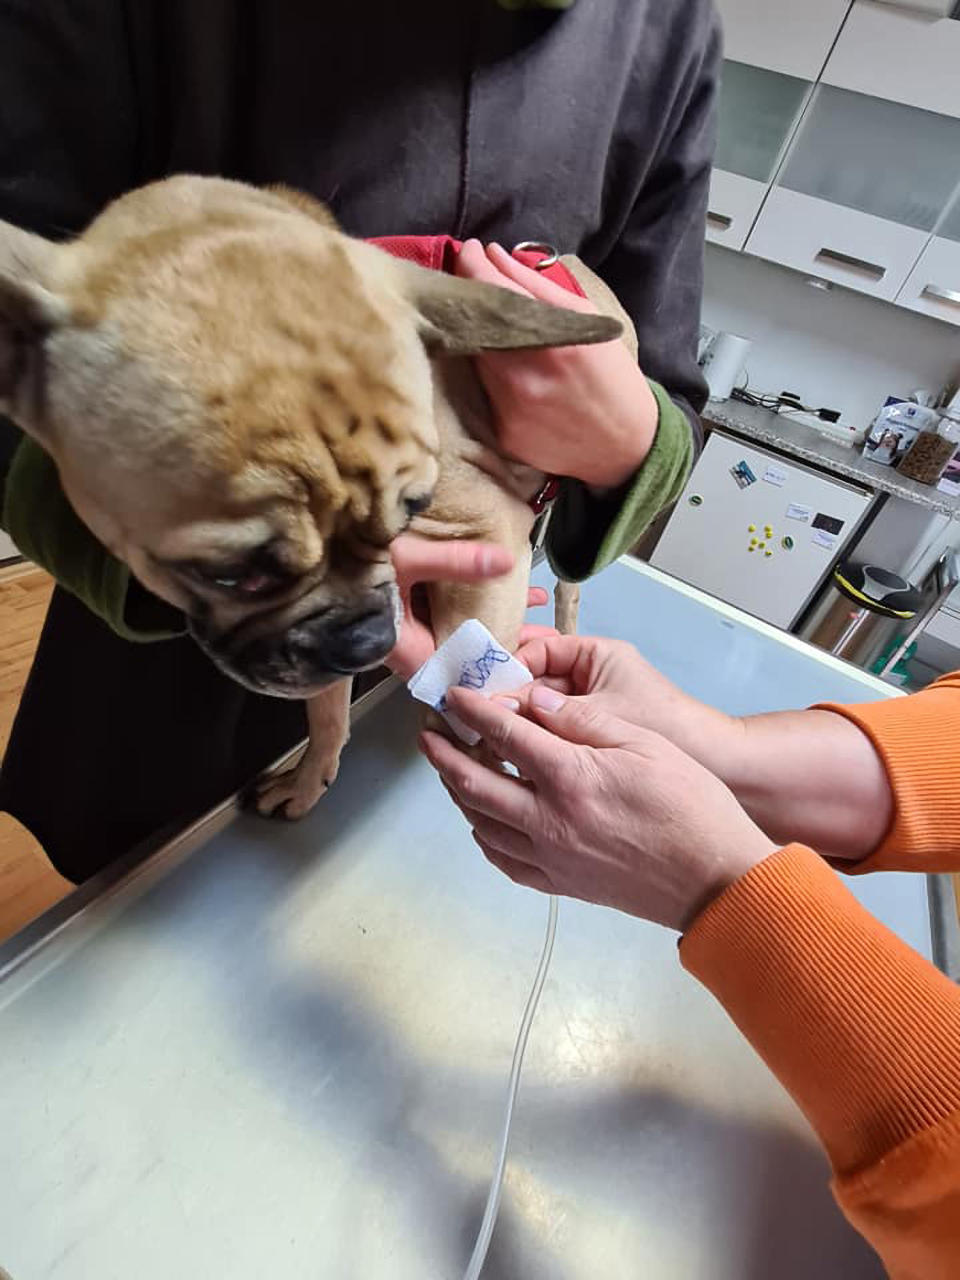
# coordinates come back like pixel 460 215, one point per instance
pixel 293 794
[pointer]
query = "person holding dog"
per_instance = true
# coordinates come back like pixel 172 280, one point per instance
pixel 485 123
pixel 640 798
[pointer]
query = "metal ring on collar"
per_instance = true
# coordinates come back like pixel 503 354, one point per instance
pixel 539 246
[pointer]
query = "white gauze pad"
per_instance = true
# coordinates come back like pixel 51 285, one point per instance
pixel 470 659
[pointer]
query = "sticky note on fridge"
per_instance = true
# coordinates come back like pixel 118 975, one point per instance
pixel 796 512
pixel 776 476
pixel 823 539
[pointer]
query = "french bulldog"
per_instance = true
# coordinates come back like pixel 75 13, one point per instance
pixel 246 406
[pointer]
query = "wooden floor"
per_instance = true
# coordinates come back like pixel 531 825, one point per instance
pixel 28 884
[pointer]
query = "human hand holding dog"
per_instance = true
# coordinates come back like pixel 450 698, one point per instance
pixel 584 412
pixel 603 811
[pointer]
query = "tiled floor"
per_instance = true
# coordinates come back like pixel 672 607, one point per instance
pixel 28 884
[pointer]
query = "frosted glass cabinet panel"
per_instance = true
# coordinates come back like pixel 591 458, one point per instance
pixel 877 157
pixel 950 230
pixel 794 38
pixel 757 114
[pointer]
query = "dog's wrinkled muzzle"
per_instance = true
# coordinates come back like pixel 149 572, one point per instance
pixel 298 660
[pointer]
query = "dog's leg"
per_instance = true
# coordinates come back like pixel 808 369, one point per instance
pixel 566 605
pixel 294 793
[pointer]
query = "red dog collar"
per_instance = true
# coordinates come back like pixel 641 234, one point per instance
pixel 440 253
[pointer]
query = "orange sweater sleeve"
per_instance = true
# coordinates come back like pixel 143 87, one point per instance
pixel 863 1032
pixel 918 739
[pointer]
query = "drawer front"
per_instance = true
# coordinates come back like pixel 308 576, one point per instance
pixel 734 205
pixel 933 286
pixel 834 243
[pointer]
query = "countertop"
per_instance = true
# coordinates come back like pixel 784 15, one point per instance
pixel 288 1056
pixel 803 442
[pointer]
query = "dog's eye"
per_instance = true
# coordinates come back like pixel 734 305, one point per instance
pixel 414 506
pixel 251 584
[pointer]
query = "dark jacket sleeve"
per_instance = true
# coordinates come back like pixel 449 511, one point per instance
pixel 655 268
pixel 69 143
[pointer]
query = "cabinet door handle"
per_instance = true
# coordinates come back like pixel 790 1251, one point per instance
pixel 719 220
pixel 941 295
pixel 872 269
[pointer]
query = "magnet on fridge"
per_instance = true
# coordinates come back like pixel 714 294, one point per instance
pixel 695 500
pixel 768 554
pixel 787 543
pixel 751 528
pixel 743 475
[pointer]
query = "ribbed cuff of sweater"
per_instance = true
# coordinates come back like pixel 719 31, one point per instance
pixel 916 738
pixel 862 1031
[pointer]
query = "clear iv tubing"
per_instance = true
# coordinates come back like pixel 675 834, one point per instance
pixel 479 1255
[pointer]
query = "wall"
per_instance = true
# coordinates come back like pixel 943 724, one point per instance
pixel 837 349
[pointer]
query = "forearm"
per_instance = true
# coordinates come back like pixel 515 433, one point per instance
pixel 864 1034
pixel 813 778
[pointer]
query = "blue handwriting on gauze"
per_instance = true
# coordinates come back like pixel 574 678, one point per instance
pixel 475 673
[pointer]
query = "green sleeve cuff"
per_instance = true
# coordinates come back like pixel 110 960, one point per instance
pixel 47 530
pixel 586 533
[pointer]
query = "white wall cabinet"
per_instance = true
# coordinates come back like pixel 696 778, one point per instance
pixel 839 146
pixel 900 54
pixel 864 186
pixel 793 38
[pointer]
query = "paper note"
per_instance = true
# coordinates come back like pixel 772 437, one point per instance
pixel 796 512
pixel 470 659
pixel 776 476
pixel 823 539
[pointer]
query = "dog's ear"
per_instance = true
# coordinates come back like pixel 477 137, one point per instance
pixel 28 312
pixel 464 317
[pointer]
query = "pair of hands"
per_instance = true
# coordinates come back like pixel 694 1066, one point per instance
pixel 605 809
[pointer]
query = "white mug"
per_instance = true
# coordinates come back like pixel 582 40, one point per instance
pixel 725 363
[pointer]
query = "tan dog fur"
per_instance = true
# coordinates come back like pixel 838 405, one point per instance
pixel 236 393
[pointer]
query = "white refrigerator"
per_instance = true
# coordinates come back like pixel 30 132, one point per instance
pixel 757 530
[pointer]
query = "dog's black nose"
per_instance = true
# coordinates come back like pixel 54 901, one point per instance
pixel 347 641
